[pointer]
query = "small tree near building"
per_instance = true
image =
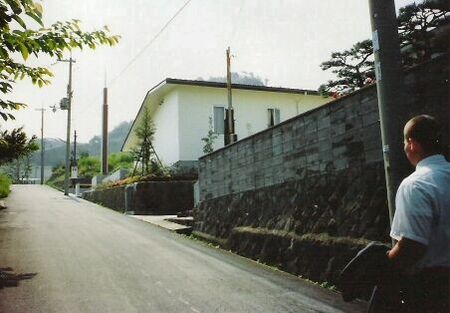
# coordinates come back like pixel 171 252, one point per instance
pixel 210 138
pixel 145 154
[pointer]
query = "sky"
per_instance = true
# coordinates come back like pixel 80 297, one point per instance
pixel 283 41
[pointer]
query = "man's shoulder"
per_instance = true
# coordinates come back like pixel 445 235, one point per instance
pixel 412 179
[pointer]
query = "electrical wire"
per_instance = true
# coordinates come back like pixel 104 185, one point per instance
pixel 149 43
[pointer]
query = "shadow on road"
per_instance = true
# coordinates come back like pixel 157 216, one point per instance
pixel 10 279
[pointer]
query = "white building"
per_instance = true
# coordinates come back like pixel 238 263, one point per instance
pixel 181 109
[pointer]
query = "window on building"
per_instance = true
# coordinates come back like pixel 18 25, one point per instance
pixel 219 120
pixel 273 117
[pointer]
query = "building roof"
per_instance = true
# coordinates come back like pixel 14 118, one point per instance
pixel 204 83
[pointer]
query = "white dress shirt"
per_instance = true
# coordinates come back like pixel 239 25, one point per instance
pixel 423 210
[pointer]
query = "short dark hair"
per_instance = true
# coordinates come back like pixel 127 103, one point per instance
pixel 427 131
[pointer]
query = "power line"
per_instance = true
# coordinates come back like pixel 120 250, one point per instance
pixel 97 97
pixel 150 42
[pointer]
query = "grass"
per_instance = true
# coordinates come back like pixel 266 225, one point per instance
pixel 320 239
pixel 5 183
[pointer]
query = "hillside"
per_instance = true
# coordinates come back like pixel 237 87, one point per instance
pixel 55 148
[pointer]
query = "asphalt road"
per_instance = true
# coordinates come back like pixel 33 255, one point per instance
pixel 63 254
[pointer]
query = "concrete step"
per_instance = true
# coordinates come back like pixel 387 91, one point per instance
pixel 186 221
pixel 164 222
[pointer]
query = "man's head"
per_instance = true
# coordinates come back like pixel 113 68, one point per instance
pixel 422 138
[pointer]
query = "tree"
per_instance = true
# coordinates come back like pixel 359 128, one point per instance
pixel 145 154
pixel 15 144
pixel 17 37
pixel 20 169
pixel 418 25
pixel 353 68
pixel 210 138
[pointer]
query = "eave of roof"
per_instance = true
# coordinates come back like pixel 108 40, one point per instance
pixel 203 83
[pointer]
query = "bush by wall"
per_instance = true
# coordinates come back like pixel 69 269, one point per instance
pixel 5 183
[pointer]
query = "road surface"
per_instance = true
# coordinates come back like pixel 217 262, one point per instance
pixel 63 254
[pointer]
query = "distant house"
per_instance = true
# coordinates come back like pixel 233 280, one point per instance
pixel 181 110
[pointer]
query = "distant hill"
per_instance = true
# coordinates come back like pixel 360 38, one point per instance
pixel 55 148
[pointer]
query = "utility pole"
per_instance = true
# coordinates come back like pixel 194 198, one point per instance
pixel 230 136
pixel 42 144
pixel 388 70
pixel 105 132
pixel 75 147
pixel 69 108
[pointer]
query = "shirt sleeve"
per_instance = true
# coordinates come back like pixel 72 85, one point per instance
pixel 413 217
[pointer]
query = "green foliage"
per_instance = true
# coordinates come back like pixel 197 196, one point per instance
pixel 5 183
pixel 210 138
pixel 417 27
pixel 89 166
pixel 353 68
pixel 56 180
pixel 120 160
pixel 15 144
pixel 20 169
pixel 52 41
pixel 144 154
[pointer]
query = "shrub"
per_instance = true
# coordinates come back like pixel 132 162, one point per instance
pixel 5 183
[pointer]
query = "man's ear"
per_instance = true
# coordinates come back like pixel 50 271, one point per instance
pixel 414 145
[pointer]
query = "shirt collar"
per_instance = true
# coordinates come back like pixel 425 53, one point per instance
pixel 431 160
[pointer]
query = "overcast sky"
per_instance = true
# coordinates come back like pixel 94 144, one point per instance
pixel 283 41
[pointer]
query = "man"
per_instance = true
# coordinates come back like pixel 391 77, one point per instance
pixel 421 223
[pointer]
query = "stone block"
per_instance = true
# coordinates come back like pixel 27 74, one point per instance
pixel 310 127
pixel 370 118
pixel 374 155
pixel 324 133
pixel 324 123
pixel 337 117
pixel 324 145
pixel 338 129
pixel 277 150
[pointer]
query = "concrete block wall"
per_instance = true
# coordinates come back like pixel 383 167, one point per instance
pixel 335 137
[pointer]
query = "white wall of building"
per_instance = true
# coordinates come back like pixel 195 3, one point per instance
pixel 196 106
pixel 165 116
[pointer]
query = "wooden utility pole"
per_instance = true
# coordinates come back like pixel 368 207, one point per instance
pixel 105 132
pixel 230 136
pixel 42 144
pixel 69 108
pixel 75 147
pixel 388 70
